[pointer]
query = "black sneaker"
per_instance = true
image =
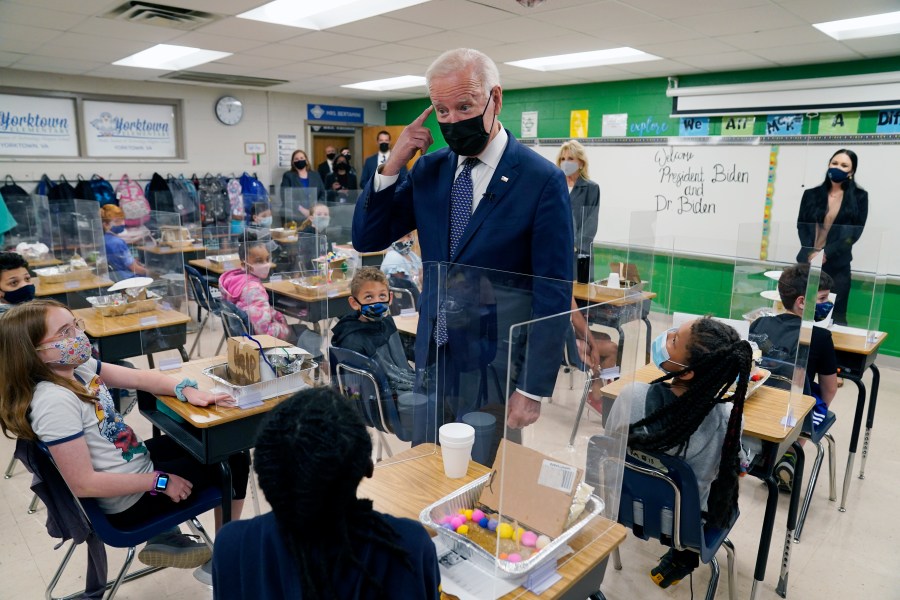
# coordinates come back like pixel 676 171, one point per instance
pixel 784 473
pixel 175 549
pixel 670 571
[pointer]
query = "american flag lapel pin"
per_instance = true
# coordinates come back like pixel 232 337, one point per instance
pixel 504 178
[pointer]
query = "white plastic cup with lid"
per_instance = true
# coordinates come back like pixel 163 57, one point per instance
pixel 456 440
pixel 613 281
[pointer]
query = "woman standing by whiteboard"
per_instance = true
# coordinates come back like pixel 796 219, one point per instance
pixel 831 220
pixel 584 195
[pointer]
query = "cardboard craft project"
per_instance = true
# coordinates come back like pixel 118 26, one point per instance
pixel 243 357
pixel 537 490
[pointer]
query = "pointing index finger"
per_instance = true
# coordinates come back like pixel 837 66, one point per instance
pixel 421 118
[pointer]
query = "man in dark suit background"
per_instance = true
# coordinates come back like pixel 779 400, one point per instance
pixel 324 167
pixel 517 224
pixel 379 158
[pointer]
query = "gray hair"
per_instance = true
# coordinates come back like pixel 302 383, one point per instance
pixel 461 59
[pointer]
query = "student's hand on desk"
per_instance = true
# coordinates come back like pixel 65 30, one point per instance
pixel 203 398
pixel 523 411
pixel 413 138
pixel 178 488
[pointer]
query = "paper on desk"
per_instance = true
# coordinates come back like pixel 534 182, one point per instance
pixel 466 581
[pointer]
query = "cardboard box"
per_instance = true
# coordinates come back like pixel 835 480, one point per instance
pixel 537 490
pixel 243 357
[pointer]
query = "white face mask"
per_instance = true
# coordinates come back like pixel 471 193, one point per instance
pixel 569 167
pixel 320 222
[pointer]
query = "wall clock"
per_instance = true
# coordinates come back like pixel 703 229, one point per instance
pixel 229 110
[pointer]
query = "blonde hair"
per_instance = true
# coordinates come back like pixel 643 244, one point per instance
pixel 111 212
pixel 365 275
pixel 22 328
pixel 577 151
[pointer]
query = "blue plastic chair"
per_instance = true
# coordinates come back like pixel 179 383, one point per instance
pixel 200 501
pixel 235 321
pixel 661 500
pixel 205 301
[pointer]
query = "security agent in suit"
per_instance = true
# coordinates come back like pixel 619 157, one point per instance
pixel 521 222
pixel 372 162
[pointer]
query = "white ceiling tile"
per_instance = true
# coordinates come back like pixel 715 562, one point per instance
pixel 349 61
pixel 649 33
pixel 742 20
pixel 8 59
pixel 56 65
pixel 788 36
pixel 22 14
pixel 8 31
pixel 452 14
pixel 103 29
pixel 81 7
pixel 198 39
pixel 740 60
pixel 395 52
pixel 260 62
pixel 23 46
pixel 251 30
pixel 222 7
pixel 886 45
pixel 667 9
pixel 598 16
pixel 383 29
pixel 130 73
pixel 294 53
pixel 516 29
pixel 688 48
pixel 447 40
pixel 331 42
pixel 809 53
pixel 817 11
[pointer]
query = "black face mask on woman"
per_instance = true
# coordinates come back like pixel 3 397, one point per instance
pixel 468 137
pixel 299 164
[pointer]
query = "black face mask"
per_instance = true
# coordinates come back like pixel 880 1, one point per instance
pixel 340 167
pixel 23 294
pixel 330 155
pixel 468 137
pixel 299 164
pixel 383 147
pixel 347 156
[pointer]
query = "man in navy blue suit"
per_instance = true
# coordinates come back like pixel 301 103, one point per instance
pixel 517 231
pixel 380 157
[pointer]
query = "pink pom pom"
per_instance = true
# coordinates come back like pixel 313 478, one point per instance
pixel 477 515
pixel 514 558
pixel 529 538
pixel 455 522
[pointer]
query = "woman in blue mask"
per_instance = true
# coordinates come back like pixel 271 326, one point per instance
pixel 831 219
pixel 685 414
pixel 122 264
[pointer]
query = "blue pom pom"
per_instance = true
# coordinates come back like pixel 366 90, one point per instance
pixel 484 522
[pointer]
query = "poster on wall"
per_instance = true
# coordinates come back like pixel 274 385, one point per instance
pixel 530 124
pixel 578 123
pixel 129 129
pixel 37 126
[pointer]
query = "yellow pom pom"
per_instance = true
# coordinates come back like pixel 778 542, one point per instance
pixel 462 529
pixel 518 534
pixel 505 531
pixel 468 513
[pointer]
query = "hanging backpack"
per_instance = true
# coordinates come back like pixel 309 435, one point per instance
pixel 103 190
pixel 132 202
pixel 159 195
pixel 61 202
pixel 214 200
pixel 184 196
pixel 236 200
pixel 83 190
pixel 19 204
pixel 253 192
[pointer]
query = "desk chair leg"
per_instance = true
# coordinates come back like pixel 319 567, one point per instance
pixel 10 468
pixel 221 343
pixel 713 579
pixel 598 595
pixel 732 573
pixel 781 588
pixel 584 397
pixel 617 559
pixel 199 331
pixel 197 528
pixel 810 488
pixel 32 508
pixel 832 467
pixel 870 418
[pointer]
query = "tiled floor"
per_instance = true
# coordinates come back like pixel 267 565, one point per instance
pixel 842 555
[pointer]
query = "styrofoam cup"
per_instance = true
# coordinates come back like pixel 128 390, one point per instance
pixel 613 280
pixel 456 440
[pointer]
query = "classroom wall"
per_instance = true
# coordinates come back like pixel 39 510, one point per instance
pixel 209 145
pixel 700 286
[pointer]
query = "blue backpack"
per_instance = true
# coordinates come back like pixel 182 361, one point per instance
pixel 103 190
pixel 253 192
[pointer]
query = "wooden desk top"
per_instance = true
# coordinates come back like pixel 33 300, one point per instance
pixel 172 250
pixel 763 410
pixel 857 344
pixel 52 289
pixel 48 261
pixel 407 323
pixel 423 482
pixel 286 288
pixel 97 326
pixel 349 248
pixel 598 294
pixel 203 417
pixel 212 266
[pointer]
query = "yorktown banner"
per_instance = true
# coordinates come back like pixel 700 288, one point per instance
pixel 128 129
pixel 36 126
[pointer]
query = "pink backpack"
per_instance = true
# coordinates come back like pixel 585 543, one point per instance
pixel 132 202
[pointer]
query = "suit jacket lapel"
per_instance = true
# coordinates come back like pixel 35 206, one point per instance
pixel 504 177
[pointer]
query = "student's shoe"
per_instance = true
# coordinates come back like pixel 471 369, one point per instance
pixel 784 473
pixel 203 573
pixel 175 549
pixel 670 571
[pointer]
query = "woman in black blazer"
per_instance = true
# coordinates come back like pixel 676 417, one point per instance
pixel 301 176
pixel 584 195
pixel 831 219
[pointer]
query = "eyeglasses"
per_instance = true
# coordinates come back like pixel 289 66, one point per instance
pixel 72 329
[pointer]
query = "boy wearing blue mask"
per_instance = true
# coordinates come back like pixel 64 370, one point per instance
pixel 15 281
pixel 778 337
pixel 371 331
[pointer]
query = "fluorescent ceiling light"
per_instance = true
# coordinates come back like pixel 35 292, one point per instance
pixel 171 58
pixel 392 83
pixel 579 60
pixel 861 27
pixel 322 15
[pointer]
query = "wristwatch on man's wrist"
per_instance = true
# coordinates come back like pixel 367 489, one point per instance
pixel 160 484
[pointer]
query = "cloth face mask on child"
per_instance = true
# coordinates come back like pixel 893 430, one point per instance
pixel 320 223
pixel 72 351
pixel 659 354
pixel 403 247
pixel 117 229
pixel 261 271
pixel 822 310
pixel 23 294
pixel 375 311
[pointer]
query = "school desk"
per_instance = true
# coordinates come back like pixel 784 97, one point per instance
pixel 763 412
pixel 419 472
pixel 70 292
pixel 47 261
pixel 368 259
pixel 616 308
pixel 310 306
pixel 132 335
pixel 407 324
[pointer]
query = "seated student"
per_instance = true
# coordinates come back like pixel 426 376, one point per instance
pixel 778 338
pixel 261 222
pixel 122 264
pixel 243 287
pixel 318 221
pixel 402 262
pixel 688 418
pixel 371 330
pixel 320 540
pixel 55 394
pixel 15 281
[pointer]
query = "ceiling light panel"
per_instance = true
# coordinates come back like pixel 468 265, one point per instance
pixel 323 15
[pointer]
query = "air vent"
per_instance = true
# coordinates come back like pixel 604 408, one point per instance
pixel 159 15
pixel 219 79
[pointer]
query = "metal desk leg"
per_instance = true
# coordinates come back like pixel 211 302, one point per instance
pixel 765 537
pixel 870 418
pixel 649 338
pixel 225 470
pixel 854 435
pixel 796 492
pixel 10 468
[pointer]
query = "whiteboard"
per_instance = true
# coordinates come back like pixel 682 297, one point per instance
pixel 710 199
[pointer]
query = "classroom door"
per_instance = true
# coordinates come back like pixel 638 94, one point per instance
pixel 320 142
pixel 370 140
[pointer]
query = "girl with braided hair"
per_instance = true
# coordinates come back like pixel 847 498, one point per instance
pixel 320 542
pixel 683 413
